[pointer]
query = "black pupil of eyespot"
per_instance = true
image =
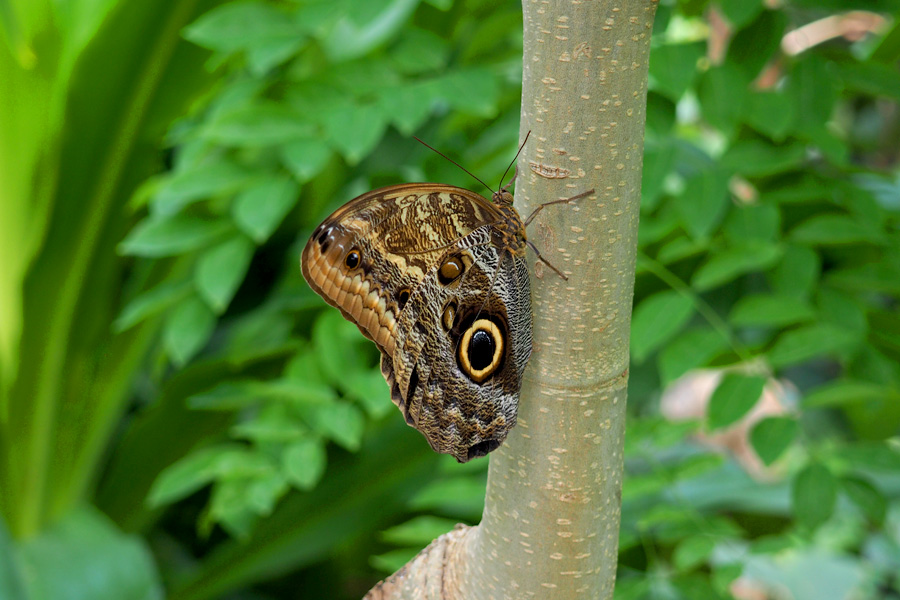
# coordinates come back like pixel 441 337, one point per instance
pixel 481 350
pixel 353 259
pixel 402 298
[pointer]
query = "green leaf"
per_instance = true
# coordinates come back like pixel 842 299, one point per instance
pixel 354 129
pixel 418 531
pixel 473 91
pixel 722 92
pixel 82 555
pixel 170 236
pixel 221 269
pixel 754 46
pixel 814 495
pixel 798 272
pixel 811 89
pixel 187 329
pixel 772 436
pixel 456 496
pixel 260 124
pixel 752 222
pixel 259 209
pixel 192 472
pixel 150 303
pixel 770 113
pixel 394 560
pixel 365 27
pixel 338 421
pixel 243 25
pixel 238 395
pixel 690 350
pixel 826 230
pixel 740 12
pixel 735 395
pixel 735 261
pixel 12 580
pixel 656 319
pixel 273 424
pixel 303 463
pixel 869 78
pixel 756 158
pixel 408 105
pixel 305 158
pixel 846 392
pixel 703 202
pixel 866 497
pixel 201 182
pixel 418 51
pixel 693 551
pixel 770 311
pixel 674 66
pixel 879 277
pixel 802 344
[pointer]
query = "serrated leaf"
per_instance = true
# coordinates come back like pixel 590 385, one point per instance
pixel 814 495
pixel 259 209
pixel 187 329
pixel 770 311
pixel 303 463
pixel 734 262
pixel 305 158
pixel 656 319
pixel 802 344
pixel 221 269
pixel 151 302
pixel 772 436
pixel 157 237
pixel 703 202
pixel 735 395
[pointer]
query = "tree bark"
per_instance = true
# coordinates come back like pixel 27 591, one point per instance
pixel 551 518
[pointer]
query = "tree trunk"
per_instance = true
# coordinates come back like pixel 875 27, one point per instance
pixel 551 518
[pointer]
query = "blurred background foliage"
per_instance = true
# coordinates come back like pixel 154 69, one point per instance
pixel 181 417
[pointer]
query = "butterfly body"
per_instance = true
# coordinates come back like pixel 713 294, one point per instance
pixel 436 276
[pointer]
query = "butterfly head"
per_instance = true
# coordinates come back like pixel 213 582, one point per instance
pixel 502 198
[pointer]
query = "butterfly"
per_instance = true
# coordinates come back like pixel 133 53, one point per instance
pixel 436 276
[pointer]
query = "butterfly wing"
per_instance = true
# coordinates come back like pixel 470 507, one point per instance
pixel 382 260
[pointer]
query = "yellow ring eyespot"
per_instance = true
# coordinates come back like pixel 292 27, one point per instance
pixel 402 298
pixel 481 350
pixel 448 318
pixel 353 259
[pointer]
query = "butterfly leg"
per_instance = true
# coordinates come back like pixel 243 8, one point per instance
pixel 543 260
pixel 566 200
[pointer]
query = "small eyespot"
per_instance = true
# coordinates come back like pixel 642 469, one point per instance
pixel 450 270
pixel 481 350
pixel 402 297
pixel 352 260
pixel 448 318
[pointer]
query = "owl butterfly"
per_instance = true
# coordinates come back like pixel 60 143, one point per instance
pixel 436 276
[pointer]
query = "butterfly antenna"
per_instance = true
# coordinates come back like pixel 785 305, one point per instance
pixel 514 161
pixel 453 161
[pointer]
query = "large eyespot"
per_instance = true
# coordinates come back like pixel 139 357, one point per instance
pixel 352 259
pixel 450 270
pixel 481 350
pixel 402 297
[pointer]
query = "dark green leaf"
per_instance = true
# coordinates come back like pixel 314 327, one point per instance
pixel 740 12
pixel 193 472
pixel 770 311
pixel 152 302
pixel 656 319
pixel 735 395
pixel 756 158
pixel 772 436
pixel 260 209
pixel 690 350
pixel 811 341
pixel 814 495
pixel 798 272
pixel 418 531
pixel 735 261
pixel 418 51
pixel 811 89
pixel 673 67
pixel 864 495
pixel 473 91
pixel 187 329
pixel 261 124
pixel 353 129
pixel 722 92
pixel 834 229
pixel 659 159
pixel 201 182
pixel 754 46
pixel 157 237
pixel 338 421
pixel 243 25
pixel 703 202
pixel 305 158
pixel 770 113
pixel 221 269
pixel 845 392
pixel 693 552
pixel 303 463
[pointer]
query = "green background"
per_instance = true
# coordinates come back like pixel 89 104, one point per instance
pixel 177 415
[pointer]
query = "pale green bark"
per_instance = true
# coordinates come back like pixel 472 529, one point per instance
pixel 551 519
